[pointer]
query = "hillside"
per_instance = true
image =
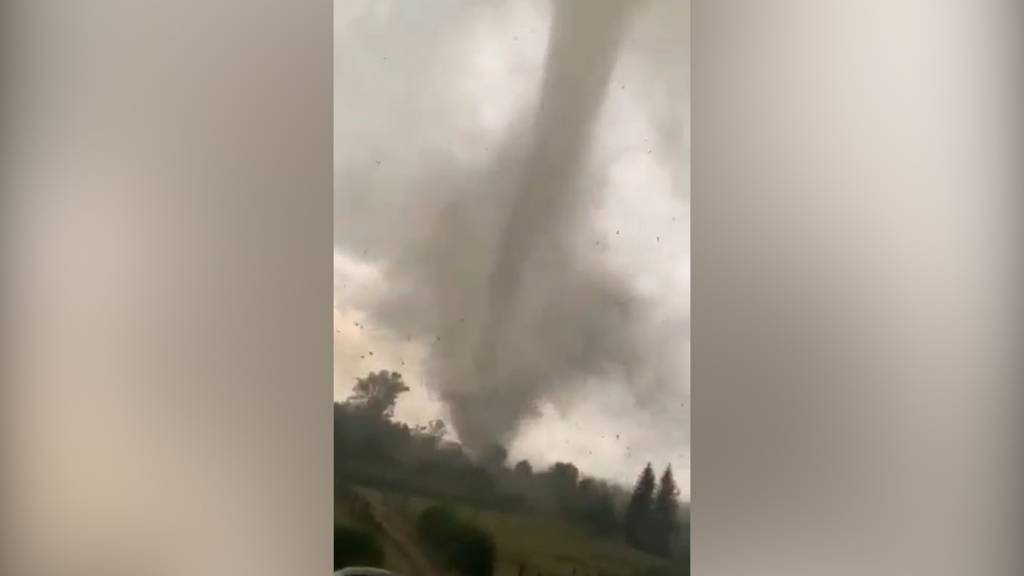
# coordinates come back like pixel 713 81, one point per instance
pixel 486 511
pixel 528 543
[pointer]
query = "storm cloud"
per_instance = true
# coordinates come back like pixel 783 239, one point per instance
pixel 514 177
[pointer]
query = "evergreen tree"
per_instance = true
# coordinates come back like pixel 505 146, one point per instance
pixel 665 514
pixel 639 512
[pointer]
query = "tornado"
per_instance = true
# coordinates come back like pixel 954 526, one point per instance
pixel 583 44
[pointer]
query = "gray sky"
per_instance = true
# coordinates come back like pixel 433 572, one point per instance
pixel 434 107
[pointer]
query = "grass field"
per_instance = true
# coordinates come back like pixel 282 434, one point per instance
pixel 540 545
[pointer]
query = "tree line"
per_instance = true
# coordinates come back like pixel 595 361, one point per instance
pixel 372 448
pixel 652 516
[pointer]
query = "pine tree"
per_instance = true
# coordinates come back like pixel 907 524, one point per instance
pixel 665 513
pixel 639 512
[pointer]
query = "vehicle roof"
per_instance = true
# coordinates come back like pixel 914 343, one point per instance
pixel 363 571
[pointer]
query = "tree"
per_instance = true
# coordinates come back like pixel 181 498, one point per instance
pixel 378 392
pixel 460 546
pixel 437 429
pixel 640 511
pixel 523 468
pixel 353 547
pixel 596 507
pixel 564 475
pixel 665 513
pixel 432 434
pixel 563 478
pixel 494 457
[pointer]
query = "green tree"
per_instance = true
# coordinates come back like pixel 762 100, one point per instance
pixel 665 514
pixel 458 545
pixel 639 517
pixel 378 392
pixel 353 547
pixel 563 478
pixel 596 507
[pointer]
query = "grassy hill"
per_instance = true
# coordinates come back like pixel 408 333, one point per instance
pixel 537 544
pixel 535 523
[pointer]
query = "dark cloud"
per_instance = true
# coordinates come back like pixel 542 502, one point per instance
pixel 482 259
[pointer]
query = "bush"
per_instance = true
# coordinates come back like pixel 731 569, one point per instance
pixel 458 545
pixel 354 547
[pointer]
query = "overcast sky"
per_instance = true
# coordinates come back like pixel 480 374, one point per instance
pixel 431 100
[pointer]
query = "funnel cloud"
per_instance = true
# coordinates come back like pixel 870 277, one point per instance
pixel 512 211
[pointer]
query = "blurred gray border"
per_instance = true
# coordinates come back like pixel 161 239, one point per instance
pixel 856 288
pixel 166 288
